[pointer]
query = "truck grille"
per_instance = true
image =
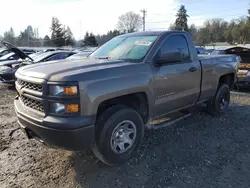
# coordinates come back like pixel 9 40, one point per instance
pixel 30 86
pixel 34 104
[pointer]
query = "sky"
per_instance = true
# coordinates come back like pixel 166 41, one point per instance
pixel 99 16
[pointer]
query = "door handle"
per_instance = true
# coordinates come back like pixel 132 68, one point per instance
pixel 192 69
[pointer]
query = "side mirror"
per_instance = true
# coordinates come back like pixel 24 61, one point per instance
pixel 171 57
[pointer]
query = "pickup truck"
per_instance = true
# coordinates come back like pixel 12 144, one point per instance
pixel 107 100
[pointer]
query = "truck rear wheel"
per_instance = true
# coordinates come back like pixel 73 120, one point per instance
pixel 119 133
pixel 220 102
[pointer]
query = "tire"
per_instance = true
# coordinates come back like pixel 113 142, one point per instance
pixel 220 102
pixel 114 119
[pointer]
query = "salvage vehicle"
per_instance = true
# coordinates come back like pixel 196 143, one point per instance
pixel 130 83
pixel 4 51
pixel 243 74
pixel 79 55
pixel 9 56
pixel 201 50
pixel 8 68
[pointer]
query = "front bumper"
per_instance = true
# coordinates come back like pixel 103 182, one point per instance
pixel 56 132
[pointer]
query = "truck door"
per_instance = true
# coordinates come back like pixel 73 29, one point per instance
pixel 176 84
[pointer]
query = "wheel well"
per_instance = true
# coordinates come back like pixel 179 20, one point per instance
pixel 137 101
pixel 227 79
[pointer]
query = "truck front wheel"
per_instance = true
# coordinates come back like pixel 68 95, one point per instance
pixel 220 101
pixel 119 133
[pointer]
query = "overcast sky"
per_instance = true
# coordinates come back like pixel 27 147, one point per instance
pixel 99 16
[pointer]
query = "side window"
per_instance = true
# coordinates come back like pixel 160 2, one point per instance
pixel 176 43
pixel 64 55
pixel 54 57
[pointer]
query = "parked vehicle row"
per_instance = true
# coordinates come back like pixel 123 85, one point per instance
pixel 16 58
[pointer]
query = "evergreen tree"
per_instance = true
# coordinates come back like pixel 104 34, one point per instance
pixel 68 36
pixel 26 37
pixel 101 39
pixel 47 41
pixel 181 19
pixel 57 33
pixel 10 36
pixel 89 40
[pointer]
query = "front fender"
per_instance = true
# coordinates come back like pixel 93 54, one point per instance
pixel 94 92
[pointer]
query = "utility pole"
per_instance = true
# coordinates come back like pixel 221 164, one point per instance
pixel 143 18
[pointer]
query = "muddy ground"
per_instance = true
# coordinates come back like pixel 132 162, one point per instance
pixel 201 151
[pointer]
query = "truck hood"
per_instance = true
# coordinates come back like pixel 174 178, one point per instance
pixel 58 70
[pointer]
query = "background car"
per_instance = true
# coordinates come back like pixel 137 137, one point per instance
pixel 79 55
pixel 9 56
pixel 201 50
pixel 209 51
pixel 8 68
pixel 4 51
pixel 52 56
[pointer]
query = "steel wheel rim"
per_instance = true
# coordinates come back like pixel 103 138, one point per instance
pixel 224 101
pixel 123 137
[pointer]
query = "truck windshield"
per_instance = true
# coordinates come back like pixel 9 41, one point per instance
pixel 125 48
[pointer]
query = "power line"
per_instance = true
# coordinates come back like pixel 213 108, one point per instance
pixel 143 18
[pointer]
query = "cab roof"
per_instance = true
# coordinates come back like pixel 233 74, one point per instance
pixel 156 33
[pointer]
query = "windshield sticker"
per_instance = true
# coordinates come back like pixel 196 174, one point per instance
pixel 143 43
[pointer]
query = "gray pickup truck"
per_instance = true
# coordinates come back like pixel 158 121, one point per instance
pixel 105 101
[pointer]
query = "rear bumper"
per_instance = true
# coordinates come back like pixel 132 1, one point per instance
pixel 56 132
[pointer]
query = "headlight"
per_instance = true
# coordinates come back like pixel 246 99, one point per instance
pixel 4 68
pixel 63 90
pixel 59 108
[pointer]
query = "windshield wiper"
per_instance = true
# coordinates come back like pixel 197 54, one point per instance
pixel 102 57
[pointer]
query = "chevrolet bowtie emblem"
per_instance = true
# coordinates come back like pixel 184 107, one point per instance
pixel 19 90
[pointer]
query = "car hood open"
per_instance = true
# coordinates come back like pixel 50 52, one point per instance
pixel 16 50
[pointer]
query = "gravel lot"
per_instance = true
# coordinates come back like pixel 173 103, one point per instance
pixel 201 151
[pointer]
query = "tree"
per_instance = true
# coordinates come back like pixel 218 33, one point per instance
pixel 26 37
pixel 229 32
pixel 172 27
pixel 89 40
pixel 129 22
pixel 10 36
pixel 181 19
pixel 47 41
pixel 193 31
pixel 101 39
pixel 202 36
pixel 57 32
pixel 68 37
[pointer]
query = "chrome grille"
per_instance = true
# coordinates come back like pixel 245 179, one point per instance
pixel 34 104
pixel 30 86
